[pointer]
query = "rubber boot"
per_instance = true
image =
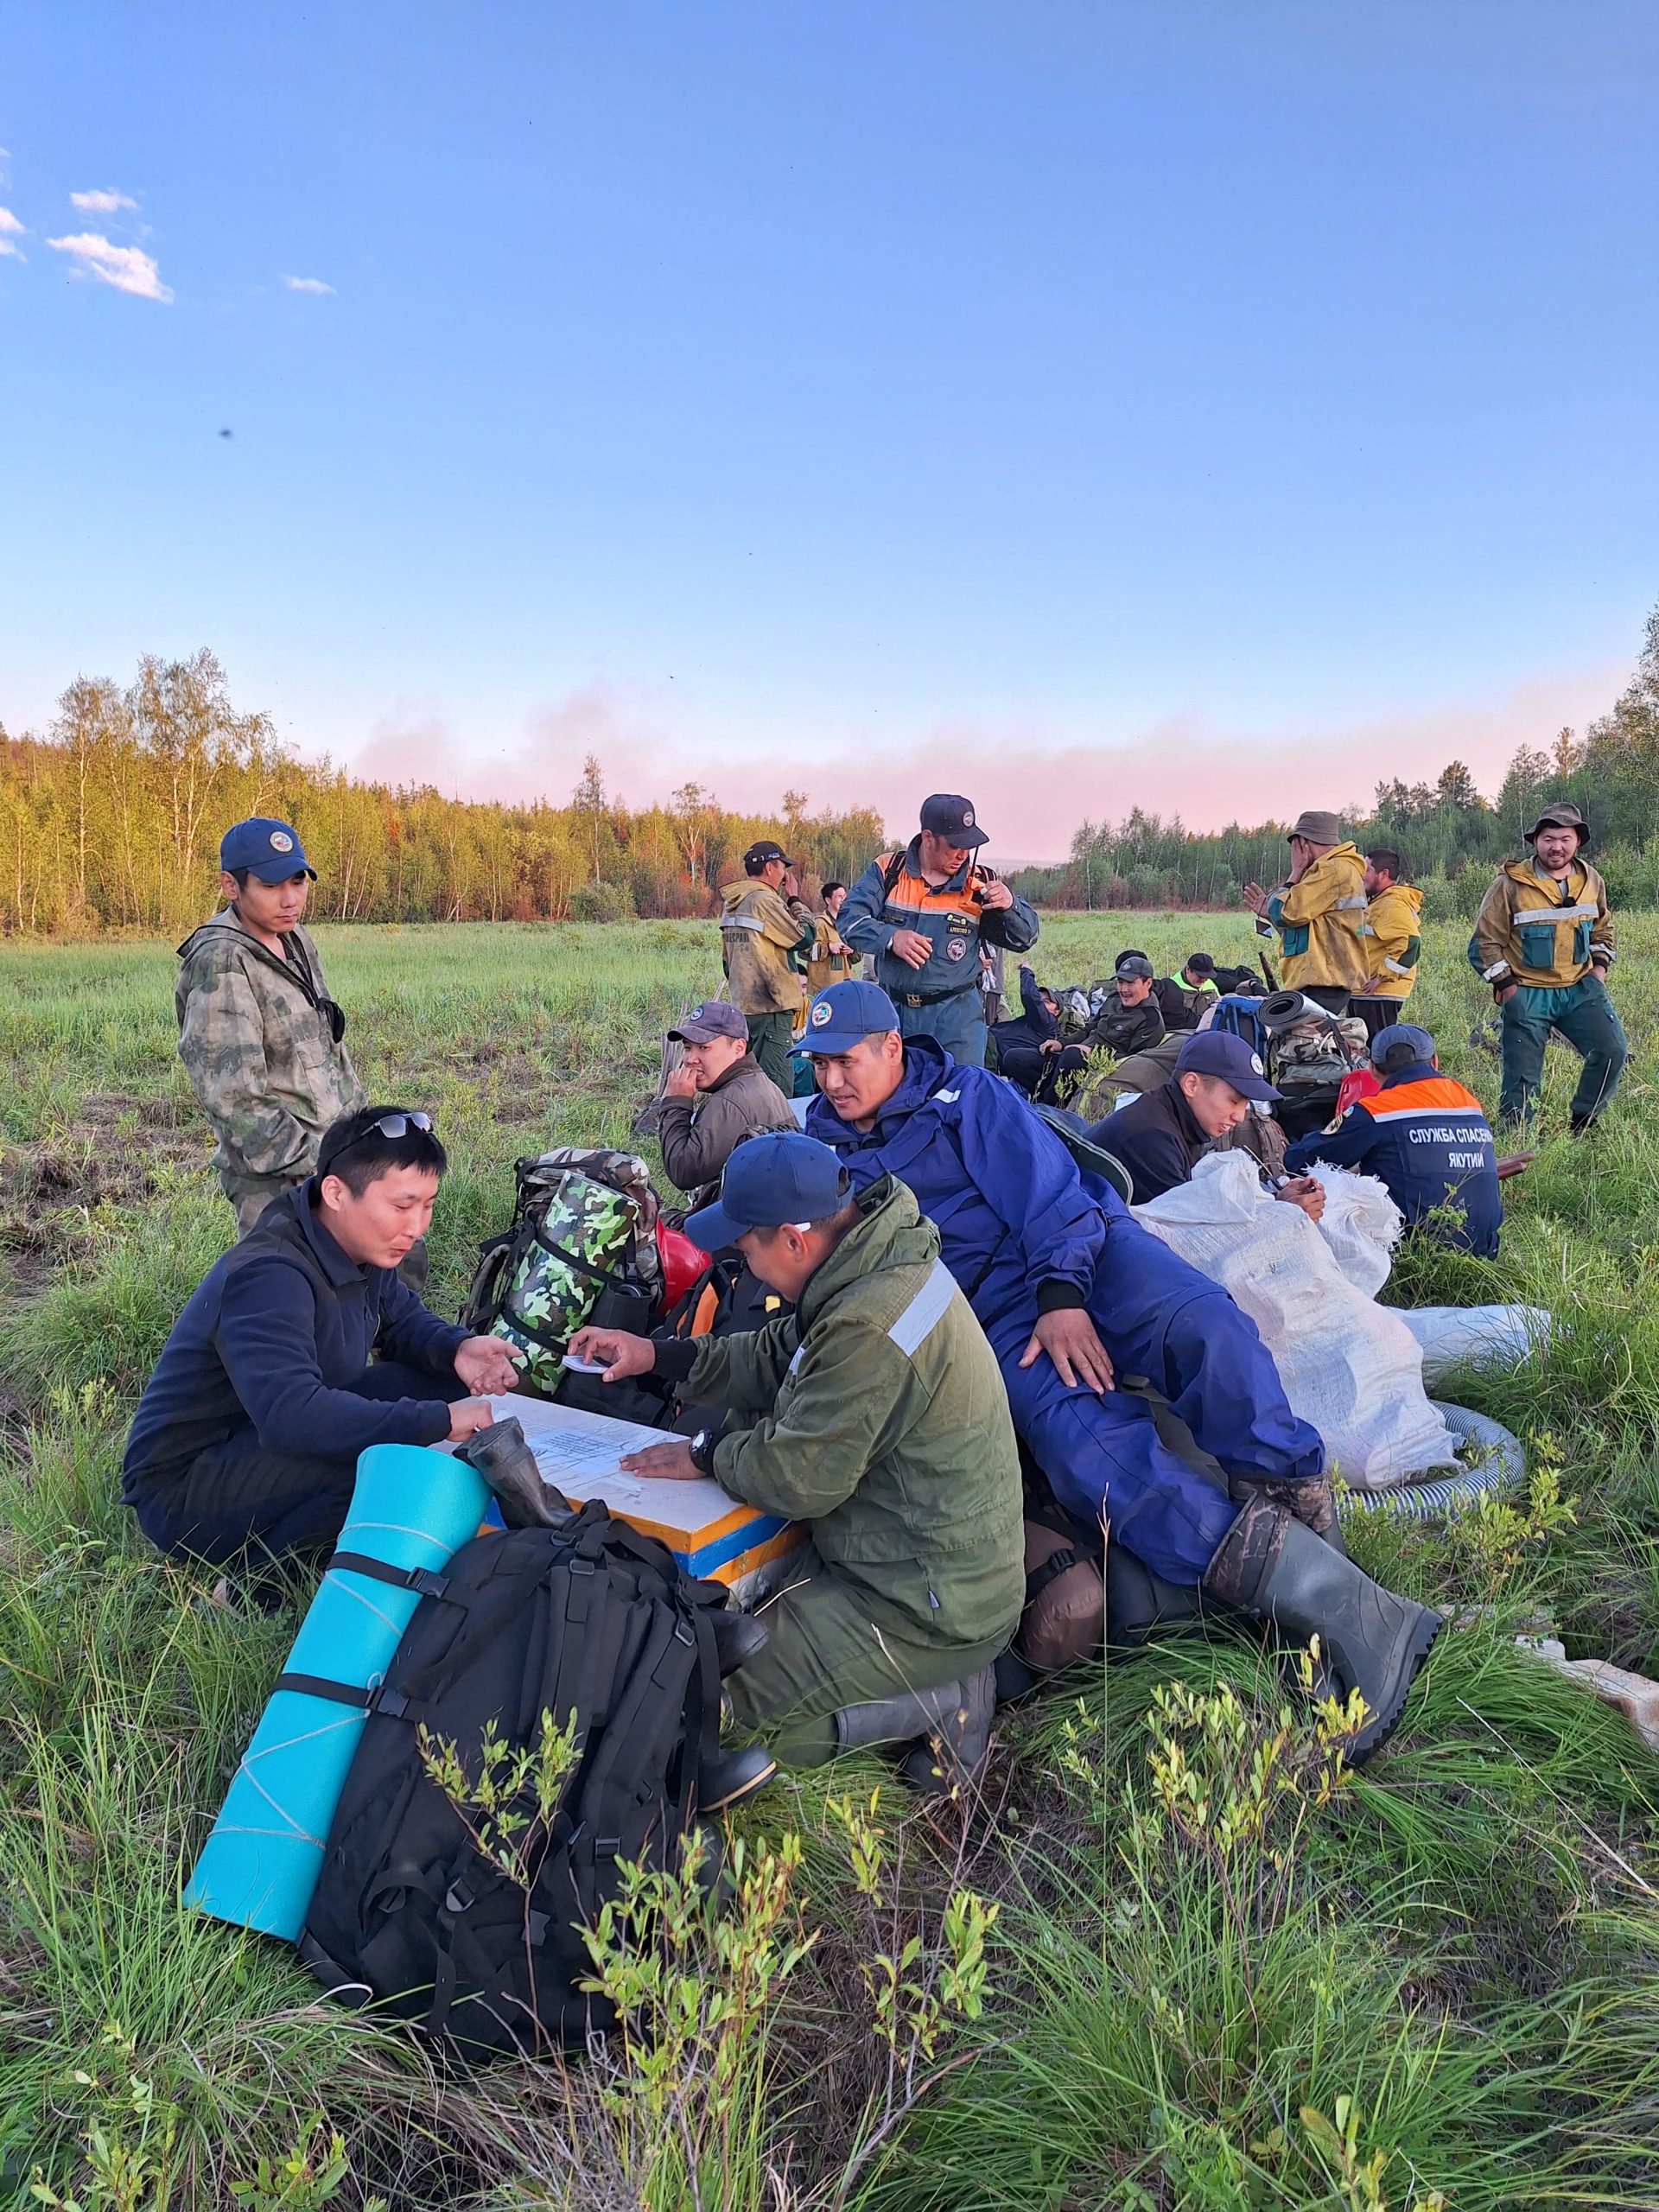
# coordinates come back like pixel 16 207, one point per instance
pixel 500 1454
pixel 738 1638
pixel 1138 1601
pixel 955 1720
pixel 1272 1568
pixel 726 1778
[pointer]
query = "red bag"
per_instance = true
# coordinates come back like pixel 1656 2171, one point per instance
pixel 682 1263
pixel 1361 1084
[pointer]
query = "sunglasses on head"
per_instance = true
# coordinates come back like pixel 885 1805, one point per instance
pixel 387 1125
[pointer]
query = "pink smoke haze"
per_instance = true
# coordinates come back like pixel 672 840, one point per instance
pixel 1031 786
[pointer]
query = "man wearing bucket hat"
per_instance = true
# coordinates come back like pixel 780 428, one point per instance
pixel 260 1040
pixel 1318 913
pixel 1161 1136
pixel 1543 940
pixel 874 1412
pixel 923 914
pixel 1075 1295
pixel 1425 1138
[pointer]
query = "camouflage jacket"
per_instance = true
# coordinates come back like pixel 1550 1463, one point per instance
pixel 256 1037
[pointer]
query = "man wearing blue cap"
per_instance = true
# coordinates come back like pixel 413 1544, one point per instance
pixel 875 1412
pixel 1161 1136
pixel 259 1036
pixel 1425 1137
pixel 1070 1289
pixel 923 914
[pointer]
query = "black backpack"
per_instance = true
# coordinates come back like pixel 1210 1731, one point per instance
pixel 590 1619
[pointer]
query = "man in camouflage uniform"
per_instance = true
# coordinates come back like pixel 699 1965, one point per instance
pixel 259 1034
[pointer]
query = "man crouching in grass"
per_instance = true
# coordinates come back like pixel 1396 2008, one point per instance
pixel 874 1412
pixel 245 1440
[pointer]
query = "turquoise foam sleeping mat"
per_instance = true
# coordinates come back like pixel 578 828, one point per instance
pixel 411 1507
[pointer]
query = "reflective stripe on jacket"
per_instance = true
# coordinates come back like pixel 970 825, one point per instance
pixel 1533 930
pixel 1319 919
pixel 759 932
pixel 1428 1141
pixel 1392 942
pixel 947 914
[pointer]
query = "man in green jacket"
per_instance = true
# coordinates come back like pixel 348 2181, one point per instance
pixel 875 1412
pixel 259 1036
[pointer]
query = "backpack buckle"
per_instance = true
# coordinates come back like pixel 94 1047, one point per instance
pixel 426 1584
pixel 458 1898
pixel 390 1701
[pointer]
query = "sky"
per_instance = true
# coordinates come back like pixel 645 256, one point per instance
pixel 1214 407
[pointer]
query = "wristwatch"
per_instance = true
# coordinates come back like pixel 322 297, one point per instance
pixel 703 1452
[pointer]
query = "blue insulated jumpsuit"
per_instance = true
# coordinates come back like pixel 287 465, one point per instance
pixel 1023 1231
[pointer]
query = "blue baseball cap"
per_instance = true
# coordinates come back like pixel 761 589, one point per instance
pixel 781 1176
pixel 843 1015
pixel 948 815
pixel 267 849
pixel 1387 1044
pixel 1218 1053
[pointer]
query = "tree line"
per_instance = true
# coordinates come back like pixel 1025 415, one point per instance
pixel 1450 837
pixel 112 820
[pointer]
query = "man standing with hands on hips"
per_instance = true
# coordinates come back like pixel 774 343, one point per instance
pixel 923 914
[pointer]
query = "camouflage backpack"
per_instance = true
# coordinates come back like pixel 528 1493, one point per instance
pixel 583 1231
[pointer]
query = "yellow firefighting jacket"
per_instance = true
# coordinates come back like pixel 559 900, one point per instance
pixel 1319 921
pixel 1392 942
pixel 1535 931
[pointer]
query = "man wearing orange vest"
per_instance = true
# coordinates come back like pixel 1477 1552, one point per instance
pixel 923 914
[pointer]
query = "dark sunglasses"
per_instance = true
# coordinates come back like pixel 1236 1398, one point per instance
pixel 388 1125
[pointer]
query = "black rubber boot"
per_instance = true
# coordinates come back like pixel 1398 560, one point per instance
pixel 1274 1568
pixel 954 1720
pixel 500 1454
pixel 1138 1601
pixel 738 1638
pixel 726 1778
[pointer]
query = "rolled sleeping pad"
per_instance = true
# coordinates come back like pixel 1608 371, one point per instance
pixel 1503 1467
pixel 411 1507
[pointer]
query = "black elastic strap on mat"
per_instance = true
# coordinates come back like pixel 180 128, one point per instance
pixel 1057 1564
pixel 381 1700
pixel 421 1580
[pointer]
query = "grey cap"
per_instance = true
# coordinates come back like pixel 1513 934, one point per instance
pixel 714 1018
pixel 1131 966
pixel 1317 826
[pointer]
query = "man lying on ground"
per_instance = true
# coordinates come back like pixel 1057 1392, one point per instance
pixel 1161 1135
pixel 719 1094
pixel 1423 1135
pixel 1023 1046
pixel 1071 1292
pixel 876 1413
pixel 246 1437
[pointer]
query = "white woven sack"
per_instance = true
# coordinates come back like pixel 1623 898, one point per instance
pixel 1350 1367
pixel 1360 1226
pixel 1476 1336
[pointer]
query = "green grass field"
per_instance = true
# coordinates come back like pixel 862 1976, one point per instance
pixel 1211 1981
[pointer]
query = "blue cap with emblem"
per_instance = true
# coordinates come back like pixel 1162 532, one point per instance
pixel 1216 1053
pixel 843 1015
pixel 1402 1044
pixel 267 849
pixel 948 815
pixel 781 1176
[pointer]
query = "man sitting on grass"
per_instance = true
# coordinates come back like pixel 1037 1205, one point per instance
pixel 873 1411
pixel 245 1440
pixel 1425 1137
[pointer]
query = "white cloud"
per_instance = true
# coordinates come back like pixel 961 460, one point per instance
pixel 107 202
pixel 309 285
pixel 125 267
pixel 10 230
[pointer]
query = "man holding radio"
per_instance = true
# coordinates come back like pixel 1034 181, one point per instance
pixel 922 915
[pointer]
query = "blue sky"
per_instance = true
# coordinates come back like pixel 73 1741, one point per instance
pixel 1210 406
